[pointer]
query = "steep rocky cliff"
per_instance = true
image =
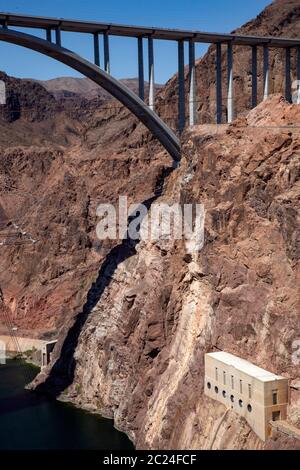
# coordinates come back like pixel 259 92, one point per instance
pixel 80 152
pixel 135 319
pixel 59 160
pixel 136 352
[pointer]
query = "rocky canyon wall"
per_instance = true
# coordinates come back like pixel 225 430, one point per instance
pixel 138 352
pixel 63 155
pixel 135 319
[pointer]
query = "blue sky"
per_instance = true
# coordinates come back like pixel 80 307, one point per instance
pixel 208 15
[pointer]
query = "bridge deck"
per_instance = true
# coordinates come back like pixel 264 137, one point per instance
pixel 40 22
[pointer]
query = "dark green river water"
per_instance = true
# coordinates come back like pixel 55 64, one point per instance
pixel 30 421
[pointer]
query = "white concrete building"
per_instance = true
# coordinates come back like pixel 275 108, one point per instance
pixel 18 344
pixel 254 393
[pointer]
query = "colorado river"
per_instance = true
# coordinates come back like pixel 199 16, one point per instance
pixel 30 421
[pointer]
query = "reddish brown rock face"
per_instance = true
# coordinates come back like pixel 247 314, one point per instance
pixel 137 318
pixel 59 160
pixel 156 310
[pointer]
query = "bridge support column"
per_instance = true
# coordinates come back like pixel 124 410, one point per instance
pixel 141 68
pixel 151 74
pixel 113 86
pixel 266 71
pixel 218 83
pixel 229 83
pixel 288 93
pixel 48 35
pixel 192 84
pixel 58 36
pixel 181 87
pixel 254 77
pixel 298 76
pixel 106 52
pixel 96 49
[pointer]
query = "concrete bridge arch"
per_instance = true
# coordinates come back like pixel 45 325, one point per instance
pixel 117 89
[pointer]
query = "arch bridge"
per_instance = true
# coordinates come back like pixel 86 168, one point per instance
pixel 52 47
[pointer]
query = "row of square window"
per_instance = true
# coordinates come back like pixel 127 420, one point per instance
pixel 232 382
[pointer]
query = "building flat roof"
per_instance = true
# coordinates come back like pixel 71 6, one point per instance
pixel 245 366
pixel 40 22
